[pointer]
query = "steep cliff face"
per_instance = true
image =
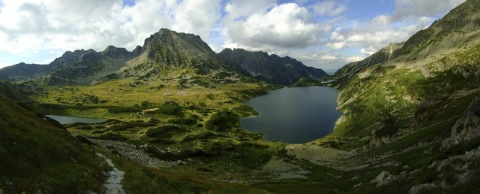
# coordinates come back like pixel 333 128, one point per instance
pixel 270 68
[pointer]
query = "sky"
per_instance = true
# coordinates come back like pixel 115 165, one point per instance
pixel 324 34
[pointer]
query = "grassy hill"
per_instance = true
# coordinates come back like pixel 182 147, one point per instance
pixel 38 154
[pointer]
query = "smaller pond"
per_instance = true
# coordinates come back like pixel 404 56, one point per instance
pixel 69 120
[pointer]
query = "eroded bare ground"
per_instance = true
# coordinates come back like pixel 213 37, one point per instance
pixel 323 156
pixel 278 168
pixel 133 153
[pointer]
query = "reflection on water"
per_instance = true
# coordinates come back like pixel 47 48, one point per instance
pixel 294 115
pixel 69 120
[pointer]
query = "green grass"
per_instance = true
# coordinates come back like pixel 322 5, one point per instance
pixel 38 155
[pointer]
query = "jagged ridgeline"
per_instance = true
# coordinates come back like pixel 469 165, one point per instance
pixel 162 51
pixel 270 68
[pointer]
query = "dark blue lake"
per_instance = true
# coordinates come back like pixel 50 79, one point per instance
pixel 294 115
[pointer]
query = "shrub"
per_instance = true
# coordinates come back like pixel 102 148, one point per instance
pixel 222 121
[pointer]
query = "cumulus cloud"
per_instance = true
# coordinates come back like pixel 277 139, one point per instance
pixel 326 60
pixel 354 58
pixel 408 18
pixel 314 32
pixel 284 26
pixel 32 26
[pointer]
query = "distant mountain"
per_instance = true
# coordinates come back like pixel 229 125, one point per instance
pixel 77 67
pixel 169 49
pixel 270 68
pixel 24 71
pixel 161 51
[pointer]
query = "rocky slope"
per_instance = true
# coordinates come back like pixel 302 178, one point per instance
pixel 409 104
pixel 270 68
pixel 167 49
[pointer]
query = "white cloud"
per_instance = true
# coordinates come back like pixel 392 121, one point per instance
pixel 414 9
pixel 52 25
pixel 285 26
pixel 329 8
pixel 315 32
pixel 197 16
pixel 236 9
pixel 354 58
pixel 327 57
pixel 381 19
pixel 408 18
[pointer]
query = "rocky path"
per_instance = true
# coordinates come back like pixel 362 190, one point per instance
pixel 114 182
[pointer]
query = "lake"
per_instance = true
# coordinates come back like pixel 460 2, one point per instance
pixel 294 115
pixel 69 120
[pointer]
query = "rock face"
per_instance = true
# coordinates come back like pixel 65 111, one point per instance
pixel 270 68
pixel 466 128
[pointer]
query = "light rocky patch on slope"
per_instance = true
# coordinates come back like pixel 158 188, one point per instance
pixel 134 153
pixel 323 156
pixel 279 168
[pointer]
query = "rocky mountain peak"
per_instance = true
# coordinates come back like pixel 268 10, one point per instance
pixel 114 52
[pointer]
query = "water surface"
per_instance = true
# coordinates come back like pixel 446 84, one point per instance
pixel 69 120
pixel 294 115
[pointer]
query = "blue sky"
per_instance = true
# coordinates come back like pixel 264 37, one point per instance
pixel 321 33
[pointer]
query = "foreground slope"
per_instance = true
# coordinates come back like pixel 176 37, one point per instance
pixel 38 154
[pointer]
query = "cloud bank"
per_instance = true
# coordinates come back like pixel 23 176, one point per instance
pixel 319 33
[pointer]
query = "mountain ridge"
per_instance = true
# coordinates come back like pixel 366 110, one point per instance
pixel 163 50
pixel 270 68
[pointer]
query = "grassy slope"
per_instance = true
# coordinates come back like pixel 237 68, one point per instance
pixel 400 111
pixel 37 154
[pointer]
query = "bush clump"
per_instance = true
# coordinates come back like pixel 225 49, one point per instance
pixel 222 121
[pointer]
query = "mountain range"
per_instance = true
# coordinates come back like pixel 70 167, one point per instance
pixel 163 50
